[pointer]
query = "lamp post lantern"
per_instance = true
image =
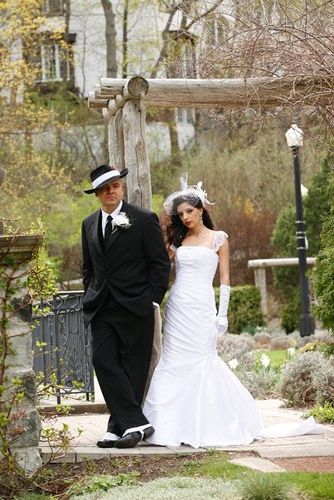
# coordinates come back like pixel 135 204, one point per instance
pixel 294 137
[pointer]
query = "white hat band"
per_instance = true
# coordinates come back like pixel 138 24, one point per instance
pixel 105 177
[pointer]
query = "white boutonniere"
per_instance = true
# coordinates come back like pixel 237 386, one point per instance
pixel 120 221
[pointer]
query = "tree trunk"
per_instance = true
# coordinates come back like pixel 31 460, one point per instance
pixel 110 33
pixel 125 39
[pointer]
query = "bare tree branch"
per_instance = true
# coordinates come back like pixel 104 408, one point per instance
pixel 165 37
pixel 203 15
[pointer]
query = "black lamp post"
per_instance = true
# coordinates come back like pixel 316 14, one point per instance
pixel 294 137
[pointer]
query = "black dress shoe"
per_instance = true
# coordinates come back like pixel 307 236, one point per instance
pixel 108 441
pixel 148 432
pixel 131 439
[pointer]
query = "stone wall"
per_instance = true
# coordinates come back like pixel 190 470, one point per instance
pixel 25 423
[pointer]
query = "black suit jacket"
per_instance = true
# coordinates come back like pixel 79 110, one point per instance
pixel 133 268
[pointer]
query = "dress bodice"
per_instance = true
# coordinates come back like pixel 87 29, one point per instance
pixel 196 265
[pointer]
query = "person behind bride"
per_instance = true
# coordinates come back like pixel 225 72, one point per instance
pixel 194 398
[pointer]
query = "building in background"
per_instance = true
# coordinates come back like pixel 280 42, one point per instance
pixel 139 36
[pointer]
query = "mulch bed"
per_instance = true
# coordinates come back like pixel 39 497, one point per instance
pixel 307 464
pixel 153 467
pixel 148 468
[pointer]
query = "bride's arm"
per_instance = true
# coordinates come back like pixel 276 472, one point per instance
pixel 224 263
pixel 224 273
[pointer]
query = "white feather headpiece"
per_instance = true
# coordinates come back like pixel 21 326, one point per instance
pixel 192 193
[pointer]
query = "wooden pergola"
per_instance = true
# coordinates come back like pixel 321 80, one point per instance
pixel 123 102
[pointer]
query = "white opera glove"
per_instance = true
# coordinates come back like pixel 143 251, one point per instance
pixel 222 322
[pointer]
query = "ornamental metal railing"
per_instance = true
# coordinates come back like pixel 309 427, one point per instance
pixel 62 346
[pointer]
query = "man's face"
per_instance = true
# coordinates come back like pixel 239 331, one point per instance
pixel 110 195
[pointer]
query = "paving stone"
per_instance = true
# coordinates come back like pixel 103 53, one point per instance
pixel 257 463
pixel 94 425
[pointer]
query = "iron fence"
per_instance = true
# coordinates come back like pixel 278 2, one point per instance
pixel 62 346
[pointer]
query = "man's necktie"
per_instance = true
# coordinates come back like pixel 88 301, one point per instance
pixel 108 230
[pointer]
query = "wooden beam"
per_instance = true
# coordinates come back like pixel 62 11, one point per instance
pixel 236 93
pixel 136 87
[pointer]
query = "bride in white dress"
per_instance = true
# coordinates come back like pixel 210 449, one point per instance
pixel 194 398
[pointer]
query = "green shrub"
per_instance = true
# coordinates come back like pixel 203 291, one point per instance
pixel 323 273
pixel 324 285
pixel 244 313
pixel 264 487
pixel 323 413
pixel 102 482
pixel 291 313
pixel 42 279
pixel 326 349
pixel 307 379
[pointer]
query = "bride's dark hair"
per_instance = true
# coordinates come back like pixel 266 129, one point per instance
pixel 176 230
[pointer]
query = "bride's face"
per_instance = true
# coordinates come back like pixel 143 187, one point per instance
pixel 190 216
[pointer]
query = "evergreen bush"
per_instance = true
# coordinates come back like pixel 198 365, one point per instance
pixel 317 206
pixel 245 313
pixel 323 276
pixel 290 316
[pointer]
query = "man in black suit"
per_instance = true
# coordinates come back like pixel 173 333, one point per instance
pixel 125 275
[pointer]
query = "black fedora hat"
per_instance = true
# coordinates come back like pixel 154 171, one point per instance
pixel 103 175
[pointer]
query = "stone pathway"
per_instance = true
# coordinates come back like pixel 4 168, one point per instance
pixel 261 453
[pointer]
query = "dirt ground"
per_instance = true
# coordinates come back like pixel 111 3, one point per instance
pixel 307 464
pixel 153 467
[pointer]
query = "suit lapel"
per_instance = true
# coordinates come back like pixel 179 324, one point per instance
pixel 112 238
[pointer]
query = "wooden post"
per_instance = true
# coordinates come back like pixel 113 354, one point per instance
pixel 261 284
pixel 115 141
pixel 259 266
pixel 135 154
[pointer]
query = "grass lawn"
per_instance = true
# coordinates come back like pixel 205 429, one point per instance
pixel 316 484
pixel 277 357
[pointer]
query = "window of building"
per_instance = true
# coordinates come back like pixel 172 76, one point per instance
pixel 55 65
pixel 53 7
pixel 185 116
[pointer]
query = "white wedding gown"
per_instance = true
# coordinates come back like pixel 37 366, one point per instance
pixel 194 398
